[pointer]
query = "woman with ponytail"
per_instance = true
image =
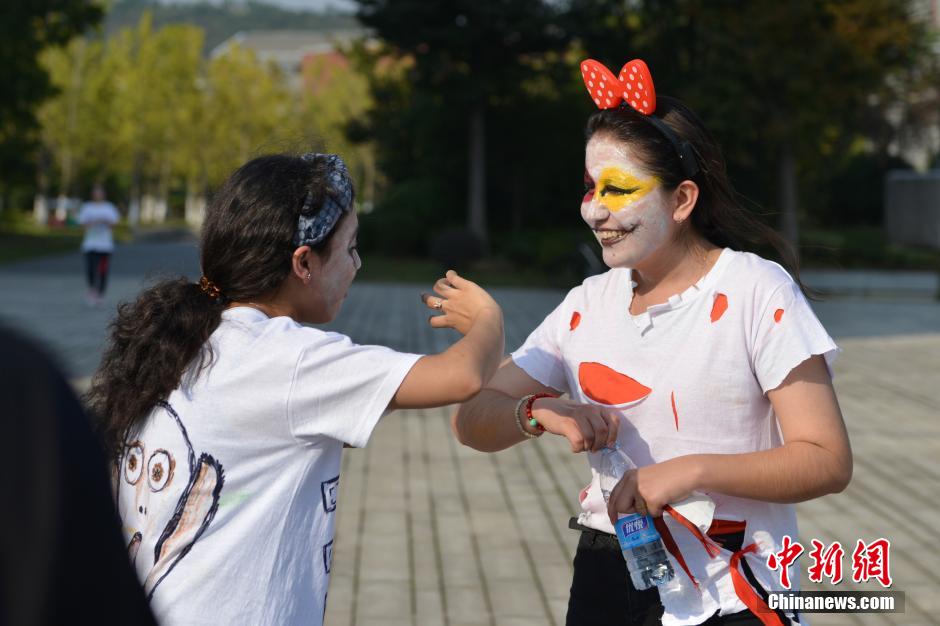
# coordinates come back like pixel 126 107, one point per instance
pixel 702 360
pixel 226 417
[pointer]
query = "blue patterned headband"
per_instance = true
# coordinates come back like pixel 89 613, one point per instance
pixel 312 229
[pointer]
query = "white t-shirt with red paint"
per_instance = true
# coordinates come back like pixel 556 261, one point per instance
pixel 227 492
pixel 689 376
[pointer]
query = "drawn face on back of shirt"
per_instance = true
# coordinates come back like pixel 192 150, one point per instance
pixel 166 497
pixel 155 477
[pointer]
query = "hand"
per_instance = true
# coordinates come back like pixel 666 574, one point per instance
pixel 586 426
pixel 649 489
pixel 460 302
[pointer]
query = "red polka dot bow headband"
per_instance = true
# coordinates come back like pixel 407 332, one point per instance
pixel 633 87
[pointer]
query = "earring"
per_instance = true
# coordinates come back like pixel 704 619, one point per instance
pixel 307 277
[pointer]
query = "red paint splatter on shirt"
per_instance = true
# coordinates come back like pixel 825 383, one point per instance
pixel 720 306
pixel 575 320
pixel 675 413
pixel 583 494
pixel 607 386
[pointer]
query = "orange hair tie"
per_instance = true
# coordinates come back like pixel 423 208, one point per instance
pixel 209 288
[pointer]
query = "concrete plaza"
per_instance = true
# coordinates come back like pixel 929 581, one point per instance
pixel 430 532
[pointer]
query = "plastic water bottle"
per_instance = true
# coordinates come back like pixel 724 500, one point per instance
pixel 640 542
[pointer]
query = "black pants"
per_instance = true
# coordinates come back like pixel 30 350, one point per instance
pixel 96 270
pixel 602 593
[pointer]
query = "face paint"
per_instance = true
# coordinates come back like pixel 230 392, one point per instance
pixel 624 205
pixel 618 189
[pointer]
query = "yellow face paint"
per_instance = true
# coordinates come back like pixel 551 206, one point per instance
pixel 617 189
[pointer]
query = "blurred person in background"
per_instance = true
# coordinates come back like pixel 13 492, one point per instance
pixel 705 363
pixel 98 218
pixel 226 417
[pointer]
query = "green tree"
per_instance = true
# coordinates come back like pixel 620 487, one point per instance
pixel 27 27
pixel 249 108
pixel 156 76
pixel 146 108
pixel 79 123
pixel 469 58
pixel 334 95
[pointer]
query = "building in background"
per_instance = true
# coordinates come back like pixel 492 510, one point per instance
pixel 294 50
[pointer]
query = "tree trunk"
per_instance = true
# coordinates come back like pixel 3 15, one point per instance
pixel 148 207
pixel 476 176
pixel 195 202
pixel 68 158
pixel 789 220
pixel 370 175
pixel 41 201
pixel 66 165
pixel 61 209
pixel 161 204
pixel 133 207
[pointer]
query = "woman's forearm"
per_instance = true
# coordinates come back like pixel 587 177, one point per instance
pixel 488 422
pixel 458 373
pixel 478 353
pixel 794 472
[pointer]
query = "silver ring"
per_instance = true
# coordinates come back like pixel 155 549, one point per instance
pixel 439 305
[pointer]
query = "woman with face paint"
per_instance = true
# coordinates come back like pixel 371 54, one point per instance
pixel 709 358
pixel 226 417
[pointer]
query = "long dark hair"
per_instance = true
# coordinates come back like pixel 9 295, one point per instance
pixel 245 250
pixel 721 215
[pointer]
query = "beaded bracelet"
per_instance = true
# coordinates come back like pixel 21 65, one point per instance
pixel 530 400
pixel 518 413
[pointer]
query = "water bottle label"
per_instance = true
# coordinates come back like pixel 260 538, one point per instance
pixel 635 530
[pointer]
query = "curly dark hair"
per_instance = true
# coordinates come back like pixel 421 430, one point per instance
pixel 720 214
pixel 245 251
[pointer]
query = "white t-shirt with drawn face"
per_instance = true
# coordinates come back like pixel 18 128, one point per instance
pixel 228 491
pixel 688 376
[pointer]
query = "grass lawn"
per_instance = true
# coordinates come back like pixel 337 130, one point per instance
pixel 19 246
pixel 22 239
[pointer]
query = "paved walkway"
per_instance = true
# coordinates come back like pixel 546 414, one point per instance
pixel 430 532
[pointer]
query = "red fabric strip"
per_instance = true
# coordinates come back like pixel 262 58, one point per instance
pixel 707 543
pixel 726 527
pixel 673 548
pixel 747 594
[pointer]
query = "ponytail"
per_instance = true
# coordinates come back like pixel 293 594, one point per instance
pixel 153 340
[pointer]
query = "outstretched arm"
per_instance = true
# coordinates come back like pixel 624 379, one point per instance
pixel 460 372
